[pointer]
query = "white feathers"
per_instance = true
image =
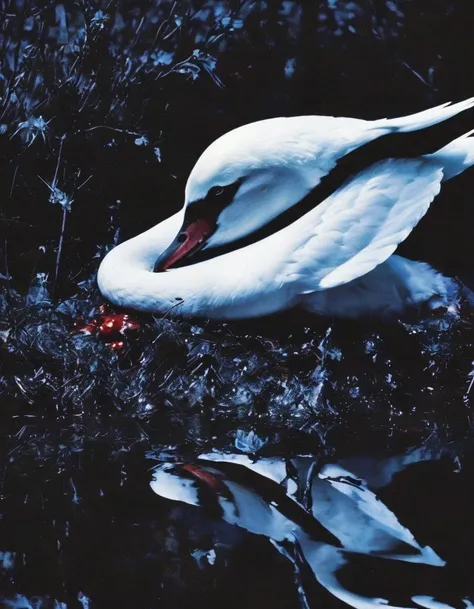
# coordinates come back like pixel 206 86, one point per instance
pixel 385 292
pixel 335 260
pixel 169 485
pixel 343 503
pixel 361 224
pixel 426 118
pixel 456 156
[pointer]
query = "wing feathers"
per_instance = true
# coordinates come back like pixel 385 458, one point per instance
pixel 360 225
pixel 426 118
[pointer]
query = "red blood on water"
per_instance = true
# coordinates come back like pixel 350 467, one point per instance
pixel 116 345
pixel 89 328
pixel 110 324
pixel 129 323
pixel 119 322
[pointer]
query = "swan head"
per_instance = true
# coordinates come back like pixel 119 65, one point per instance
pixel 243 181
pixel 189 483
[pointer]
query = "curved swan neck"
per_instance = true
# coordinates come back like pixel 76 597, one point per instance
pixel 216 286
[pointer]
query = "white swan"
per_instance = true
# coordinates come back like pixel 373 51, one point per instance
pixel 335 259
pixel 347 520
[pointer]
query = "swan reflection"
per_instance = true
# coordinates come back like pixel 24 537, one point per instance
pixel 325 516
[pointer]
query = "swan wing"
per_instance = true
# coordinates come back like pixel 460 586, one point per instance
pixel 347 576
pixel 361 224
pixel 375 528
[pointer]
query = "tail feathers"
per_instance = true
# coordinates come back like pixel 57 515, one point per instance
pixel 456 156
pixel 424 119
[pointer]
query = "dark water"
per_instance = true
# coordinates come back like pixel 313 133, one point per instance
pixel 104 109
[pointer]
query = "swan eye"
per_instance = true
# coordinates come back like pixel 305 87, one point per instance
pixel 228 191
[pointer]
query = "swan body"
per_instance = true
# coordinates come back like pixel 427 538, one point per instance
pixel 344 522
pixel 337 258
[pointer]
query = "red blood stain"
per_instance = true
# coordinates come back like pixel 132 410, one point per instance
pixel 90 328
pixel 120 322
pixel 109 326
pixel 116 345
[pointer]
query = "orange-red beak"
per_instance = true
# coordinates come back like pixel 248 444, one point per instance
pixel 189 240
pixel 204 476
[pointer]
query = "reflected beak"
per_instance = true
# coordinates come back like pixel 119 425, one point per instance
pixel 189 240
pixel 206 477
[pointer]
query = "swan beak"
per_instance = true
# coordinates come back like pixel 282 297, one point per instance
pixel 189 240
pixel 206 477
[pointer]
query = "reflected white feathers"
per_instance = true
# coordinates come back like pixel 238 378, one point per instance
pixel 352 520
pixel 174 487
pixel 336 259
pixel 350 510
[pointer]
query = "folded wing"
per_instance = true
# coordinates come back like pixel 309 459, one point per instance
pixel 361 224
